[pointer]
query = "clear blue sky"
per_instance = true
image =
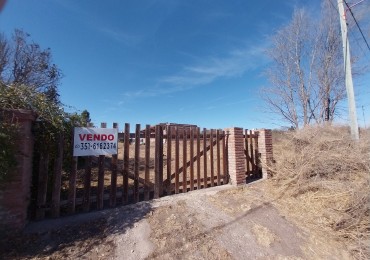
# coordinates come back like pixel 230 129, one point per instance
pixel 196 61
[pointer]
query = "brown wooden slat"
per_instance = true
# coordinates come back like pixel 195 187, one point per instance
pixel 218 157
pixel 205 156
pixel 136 163
pixel 256 162
pixel 158 183
pixel 177 161
pixel 191 156
pixel 147 162
pixel 251 151
pixel 184 160
pixel 169 159
pixel 194 159
pixel 57 178
pixel 87 184
pixel 201 180
pixel 225 156
pixel 93 198
pixel 211 159
pixel 140 180
pixel 246 151
pixel 72 187
pixel 113 180
pixel 126 162
pixel 42 185
pixel 198 158
pixel 100 195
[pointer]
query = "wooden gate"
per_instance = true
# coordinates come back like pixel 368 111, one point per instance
pixel 171 160
pixel 252 156
pixel 151 163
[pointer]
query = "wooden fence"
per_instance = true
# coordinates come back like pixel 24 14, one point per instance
pixel 170 161
pixel 252 156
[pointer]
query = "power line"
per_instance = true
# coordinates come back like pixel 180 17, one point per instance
pixel 355 38
pixel 330 1
pixel 351 32
pixel 358 26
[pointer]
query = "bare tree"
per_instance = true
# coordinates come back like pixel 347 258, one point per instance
pixel 329 68
pixel 289 93
pixel 306 74
pixel 4 54
pixel 24 62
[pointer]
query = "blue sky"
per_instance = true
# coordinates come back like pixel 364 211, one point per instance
pixel 197 62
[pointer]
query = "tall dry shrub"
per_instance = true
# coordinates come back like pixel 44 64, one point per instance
pixel 329 176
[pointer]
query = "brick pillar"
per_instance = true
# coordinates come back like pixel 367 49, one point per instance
pixel 265 149
pixel 236 157
pixel 15 191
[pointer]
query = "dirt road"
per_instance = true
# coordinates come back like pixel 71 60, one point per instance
pixel 215 223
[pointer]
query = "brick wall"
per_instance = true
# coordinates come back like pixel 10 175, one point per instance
pixel 236 157
pixel 265 149
pixel 15 192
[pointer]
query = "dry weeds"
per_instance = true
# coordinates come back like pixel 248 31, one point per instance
pixel 322 177
pixel 265 236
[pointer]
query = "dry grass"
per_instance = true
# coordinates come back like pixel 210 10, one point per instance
pixel 265 236
pixel 323 177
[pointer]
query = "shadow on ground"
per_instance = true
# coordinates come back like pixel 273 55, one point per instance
pixel 73 237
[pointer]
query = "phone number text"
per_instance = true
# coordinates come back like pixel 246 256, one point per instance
pixel 96 146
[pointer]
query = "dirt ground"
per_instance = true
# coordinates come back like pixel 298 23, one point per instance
pixel 216 223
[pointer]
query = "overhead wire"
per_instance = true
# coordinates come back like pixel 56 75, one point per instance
pixel 358 26
pixel 364 53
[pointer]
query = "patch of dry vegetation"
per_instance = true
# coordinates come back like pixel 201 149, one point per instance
pixel 323 177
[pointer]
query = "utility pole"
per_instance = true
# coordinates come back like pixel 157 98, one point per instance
pixel 363 116
pixel 348 72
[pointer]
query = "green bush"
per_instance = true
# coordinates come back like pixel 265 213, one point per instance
pixel 8 161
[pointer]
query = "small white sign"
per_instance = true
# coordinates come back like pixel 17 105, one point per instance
pixel 95 141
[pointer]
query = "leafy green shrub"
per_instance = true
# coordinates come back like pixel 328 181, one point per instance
pixel 8 161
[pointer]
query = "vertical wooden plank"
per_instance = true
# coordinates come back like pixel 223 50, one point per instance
pixel 158 182
pixel 247 158
pixel 126 163
pixel 184 161
pixel 87 184
pixel 218 157
pixel 211 159
pixel 251 151
pixel 147 162
pixel 198 159
pixel 42 185
pixel 136 163
pixel 100 195
pixel 225 157
pixel 113 180
pixel 169 159
pixel 177 159
pixel 256 159
pixel 160 162
pixel 205 157
pixel 191 158
pixel 72 186
pixel 57 178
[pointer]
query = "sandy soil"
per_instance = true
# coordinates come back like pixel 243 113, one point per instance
pixel 216 223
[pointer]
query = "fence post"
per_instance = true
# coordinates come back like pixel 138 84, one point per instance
pixel 101 162
pixel 235 151
pixel 15 192
pixel 57 178
pixel 158 171
pixel 265 150
pixel 113 179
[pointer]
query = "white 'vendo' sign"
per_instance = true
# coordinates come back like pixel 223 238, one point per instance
pixel 95 141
